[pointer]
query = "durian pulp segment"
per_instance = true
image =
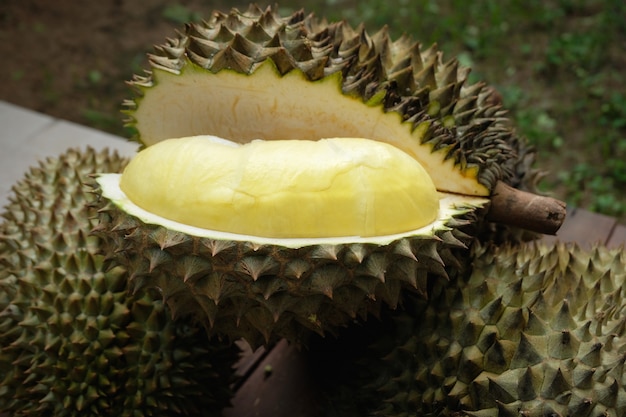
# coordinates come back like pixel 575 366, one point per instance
pixel 450 205
pixel 283 189
pixel 269 106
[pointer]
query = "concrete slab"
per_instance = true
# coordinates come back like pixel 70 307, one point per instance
pixel 27 137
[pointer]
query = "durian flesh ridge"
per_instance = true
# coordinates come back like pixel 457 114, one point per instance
pixel 284 189
pixel 271 106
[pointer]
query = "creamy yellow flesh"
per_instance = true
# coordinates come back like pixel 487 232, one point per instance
pixel 285 188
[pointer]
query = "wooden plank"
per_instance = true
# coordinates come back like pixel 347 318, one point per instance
pixel 23 147
pixel 249 360
pixel 18 123
pixel 16 126
pixel 63 135
pixel 618 237
pixel 585 228
pixel 281 386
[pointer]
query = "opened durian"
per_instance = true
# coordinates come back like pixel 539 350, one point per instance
pixel 534 330
pixel 279 96
pixel 74 341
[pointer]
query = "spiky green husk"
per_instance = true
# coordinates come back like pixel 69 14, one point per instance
pixel 74 341
pixel 537 330
pixel 263 291
pixel 465 122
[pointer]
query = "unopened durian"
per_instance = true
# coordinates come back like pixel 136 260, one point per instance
pixel 534 330
pixel 255 75
pixel 74 340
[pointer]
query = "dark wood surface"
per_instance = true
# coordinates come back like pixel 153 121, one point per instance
pixel 587 228
pixel 280 385
pixel 289 389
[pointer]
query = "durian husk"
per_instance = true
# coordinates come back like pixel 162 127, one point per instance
pixel 457 121
pixel 533 330
pixel 264 291
pixel 74 340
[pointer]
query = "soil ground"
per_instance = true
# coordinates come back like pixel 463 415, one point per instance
pixel 70 59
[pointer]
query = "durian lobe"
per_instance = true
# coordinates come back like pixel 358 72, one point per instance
pixel 284 189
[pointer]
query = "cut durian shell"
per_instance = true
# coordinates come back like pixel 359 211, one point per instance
pixel 262 289
pixel 74 341
pixel 533 330
pixel 258 75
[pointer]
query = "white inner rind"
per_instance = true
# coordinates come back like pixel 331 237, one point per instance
pixel 450 205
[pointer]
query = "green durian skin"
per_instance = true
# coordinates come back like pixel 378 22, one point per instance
pixel 74 341
pixel 530 330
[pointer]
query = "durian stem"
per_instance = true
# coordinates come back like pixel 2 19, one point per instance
pixel 526 210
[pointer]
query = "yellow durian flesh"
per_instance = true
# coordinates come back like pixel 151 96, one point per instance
pixel 283 189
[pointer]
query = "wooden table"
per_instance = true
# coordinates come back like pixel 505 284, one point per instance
pixel 288 390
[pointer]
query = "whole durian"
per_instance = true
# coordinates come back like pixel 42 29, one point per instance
pixel 534 330
pixel 245 76
pixel 74 340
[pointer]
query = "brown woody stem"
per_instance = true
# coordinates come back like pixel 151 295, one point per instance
pixel 526 210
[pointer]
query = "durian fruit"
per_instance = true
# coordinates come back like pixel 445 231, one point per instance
pixel 251 75
pixel 534 330
pixel 74 341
